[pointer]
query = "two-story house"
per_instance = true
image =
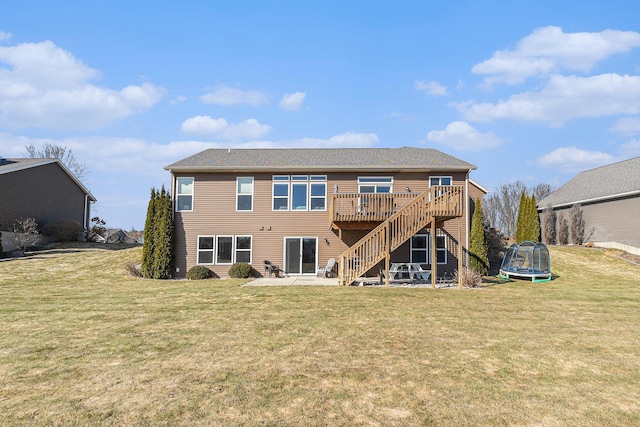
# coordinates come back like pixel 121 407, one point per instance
pixel 297 208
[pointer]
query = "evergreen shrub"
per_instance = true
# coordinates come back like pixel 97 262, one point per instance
pixel 63 230
pixel 199 272
pixel 240 270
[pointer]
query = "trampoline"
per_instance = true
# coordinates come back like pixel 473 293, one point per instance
pixel 527 260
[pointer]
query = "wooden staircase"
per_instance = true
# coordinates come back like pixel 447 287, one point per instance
pixel 438 203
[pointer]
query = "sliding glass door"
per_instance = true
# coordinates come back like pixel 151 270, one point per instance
pixel 300 255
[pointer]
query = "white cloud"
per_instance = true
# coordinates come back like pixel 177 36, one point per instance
pixel 246 129
pixel 562 99
pixel 205 125
pixel 47 87
pixel 5 36
pixel 572 159
pixel 229 96
pixel 430 88
pixel 548 50
pixel 462 136
pixel 343 140
pixel 626 126
pixel 292 101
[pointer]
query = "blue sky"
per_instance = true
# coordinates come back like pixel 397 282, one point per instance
pixel 526 90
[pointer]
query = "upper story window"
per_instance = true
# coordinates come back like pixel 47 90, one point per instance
pixel 244 193
pixel 299 192
pixel 184 194
pixel 440 180
pixel 375 184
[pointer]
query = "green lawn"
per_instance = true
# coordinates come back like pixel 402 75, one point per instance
pixel 82 343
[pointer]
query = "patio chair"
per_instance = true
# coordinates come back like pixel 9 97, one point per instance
pixel 328 270
pixel 270 268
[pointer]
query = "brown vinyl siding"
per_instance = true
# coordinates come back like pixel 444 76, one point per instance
pixel 45 193
pixel 214 214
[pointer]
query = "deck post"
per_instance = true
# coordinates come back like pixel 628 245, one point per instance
pixel 434 254
pixel 460 266
pixel 387 255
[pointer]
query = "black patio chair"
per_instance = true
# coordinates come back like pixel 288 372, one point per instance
pixel 270 268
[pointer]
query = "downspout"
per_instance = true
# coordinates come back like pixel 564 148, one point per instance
pixel 173 185
pixel 467 219
pixel 86 210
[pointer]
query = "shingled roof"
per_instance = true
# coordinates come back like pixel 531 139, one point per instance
pixel 404 158
pixel 607 182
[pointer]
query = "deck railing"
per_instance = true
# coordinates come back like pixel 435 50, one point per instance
pixel 346 207
pixel 397 228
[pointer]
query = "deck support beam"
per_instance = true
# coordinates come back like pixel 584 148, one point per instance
pixel 434 254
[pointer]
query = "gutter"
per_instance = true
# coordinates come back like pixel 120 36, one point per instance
pixel 592 200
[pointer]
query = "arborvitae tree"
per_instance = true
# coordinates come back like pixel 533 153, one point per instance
pixel 163 237
pixel 533 221
pixel 522 212
pixel 478 249
pixel 149 234
pixel 528 227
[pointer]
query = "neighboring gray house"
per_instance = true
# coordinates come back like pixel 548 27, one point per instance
pixel 610 199
pixel 42 189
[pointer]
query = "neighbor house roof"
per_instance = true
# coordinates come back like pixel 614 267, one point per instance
pixel 405 158
pixel 617 180
pixel 18 164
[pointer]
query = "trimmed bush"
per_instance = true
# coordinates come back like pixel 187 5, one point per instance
pixel 199 272
pixel 240 270
pixel 63 230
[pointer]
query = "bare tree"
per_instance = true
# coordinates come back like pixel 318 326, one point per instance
pixel 541 191
pixel 500 209
pixel 577 224
pixel 548 220
pixel 563 230
pixel 25 233
pixel 52 151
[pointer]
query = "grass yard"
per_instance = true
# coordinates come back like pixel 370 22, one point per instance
pixel 82 343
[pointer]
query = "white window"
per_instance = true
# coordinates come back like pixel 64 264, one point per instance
pixel 375 184
pixel 318 195
pixel 243 249
pixel 224 250
pixel 439 181
pixel 205 249
pixel 299 192
pixel 281 192
pixel 184 194
pixel 421 248
pixel 224 246
pixel 244 194
pixel 299 187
